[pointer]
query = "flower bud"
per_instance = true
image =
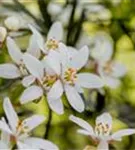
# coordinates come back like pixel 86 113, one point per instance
pixel 12 23
pixel 3 34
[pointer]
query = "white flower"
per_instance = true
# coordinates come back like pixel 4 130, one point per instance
pixel 108 69
pixel 61 76
pixel 111 72
pixel 17 69
pixel 3 34
pixel 12 23
pixel 55 35
pixel 18 130
pixel 102 132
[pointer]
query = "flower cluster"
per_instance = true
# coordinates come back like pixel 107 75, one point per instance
pixel 52 69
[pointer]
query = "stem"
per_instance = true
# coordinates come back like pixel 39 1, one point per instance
pixel 79 27
pixel 47 18
pixel 48 125
pixel 100 102
pixel 71 23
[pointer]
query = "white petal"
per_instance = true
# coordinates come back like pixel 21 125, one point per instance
pixel 53 61
pixel 85 125
pixel 34 66
pixel 10 114
pixel 56 91
pixel 80 59
pixel 56 31
pixel 89 80
pixel 9 71
pixel 64 56
pixel 28 80
pixel 84 132
pixel 125 132
pixel 38 36
pixel 30 94
pixel 119 70
pixel 33 47
pixel 5 137
pixel 32 122
pixel 72 51
pixel 103 145
pixel 14 50
pixel 4 127
pixel 23 146
pixel 105 118
pixel 103 49
pixel 56 105
pixel 111 82
pixel 74 98
pixel 4 146
pixel 40 143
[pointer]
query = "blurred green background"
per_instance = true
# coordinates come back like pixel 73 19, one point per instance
pixel 81 20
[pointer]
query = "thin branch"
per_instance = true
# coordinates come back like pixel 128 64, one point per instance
pixel 43 9
pixel 48 125
pixel 71 23
pixel 79 27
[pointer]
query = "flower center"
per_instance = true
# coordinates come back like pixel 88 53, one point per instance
pixel 70 75
pixel 21 127
pixel 102 129
pixel 108 68
pixel 49 80
pixel 52 44
pixel 22 68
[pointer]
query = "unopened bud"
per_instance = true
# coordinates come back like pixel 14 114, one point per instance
pixel 12 23
pixel 3 34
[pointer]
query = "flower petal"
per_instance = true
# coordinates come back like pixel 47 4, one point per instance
pixel 89 80
pixel 125 132
pixel 74 98
pixel 5 137
pixel 10 114
pixel 34 66
pixel 33 47
pixel 9 71
pixel 105 118
pixel 103 145
pixel 28 80
pixel 85 125
pixel 111 82
pixel 56 105
pixel 4 146
pixel 30 94
pixel 32 122
pixel 56 31
pixel 119 70
pixel 4 127
pixel 23 146
pixel 103 49
pixel 14 50
pixel 53 61
pixel 39 38
pixel 56 91
pixel 40 143
pixel 84 132
pixel 80 59
pixel 64 55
